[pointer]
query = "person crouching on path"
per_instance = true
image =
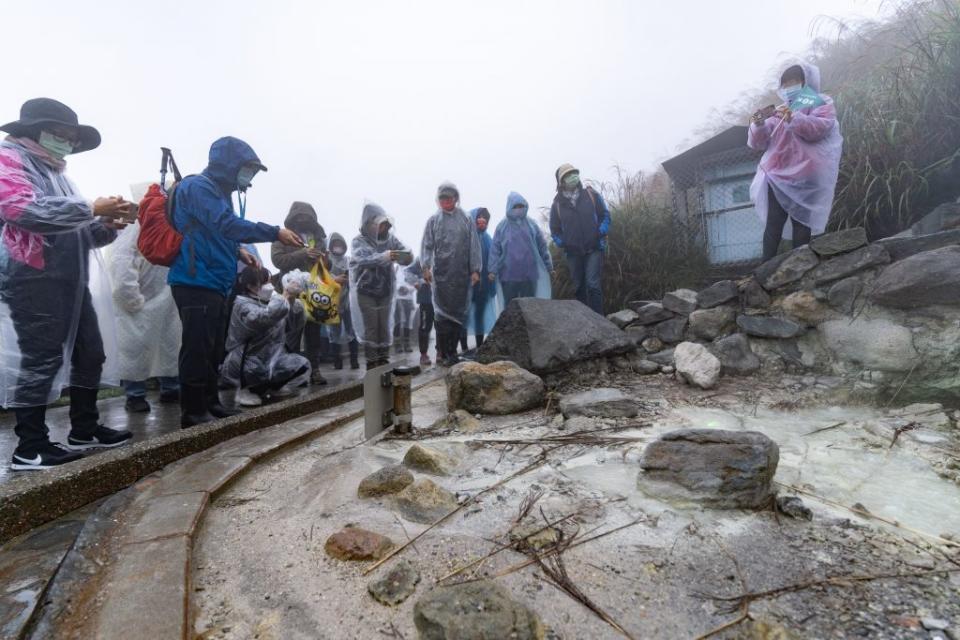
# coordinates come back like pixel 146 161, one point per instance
pixel 204 272
pixel 579 223
pixel 797 175
pixel 302 219
pixel 49 233
pixel 257 362
pixel 451 261
pixel 519 258
pixel 373 255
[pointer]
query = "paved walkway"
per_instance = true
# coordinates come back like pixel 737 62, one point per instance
pixel 163 418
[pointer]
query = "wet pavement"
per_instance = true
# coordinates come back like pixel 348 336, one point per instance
pixel 162 418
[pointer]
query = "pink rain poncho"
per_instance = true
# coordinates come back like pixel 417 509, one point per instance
pixel 801 161
pixel 56 314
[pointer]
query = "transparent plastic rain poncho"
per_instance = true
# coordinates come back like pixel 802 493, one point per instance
pixel 148 323
pixel 451 250
pixel 484 304
pixel 53 284
pixel 520 253
pixel 342 333
pixel 406 305
pixel 256 355
pixel 373 279
pixel 801 161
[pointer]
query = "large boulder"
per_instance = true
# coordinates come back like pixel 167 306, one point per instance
pixel 545 336
pixel 652 313
pixel 711 467
pixel 831 244
pixel 600 403
pixel 681 301
pixel 904 247
pixel 708 324
pixel 718 293
pixel 768 326
pixel 735 355
pixel 872 344
pixel 928 278
pixel 671 331
pixel 474 611
pixel 786 268
pixel 873 255
pixel 499 388
pixel 696 365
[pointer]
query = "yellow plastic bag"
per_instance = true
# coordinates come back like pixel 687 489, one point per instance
pixel 321 297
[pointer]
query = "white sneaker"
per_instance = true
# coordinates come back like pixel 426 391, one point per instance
pixel 247 398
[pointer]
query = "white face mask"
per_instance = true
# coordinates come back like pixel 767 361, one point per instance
pixel 265 293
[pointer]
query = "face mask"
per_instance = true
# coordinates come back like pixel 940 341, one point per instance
pixel 265 293
pixel 790 92
pixel 245 177
pixel 517 212
pixel 570 181
pixel 57 146
pixel 481 224
pixel 448 204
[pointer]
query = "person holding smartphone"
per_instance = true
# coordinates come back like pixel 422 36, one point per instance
pixel 797 175
pixel 373 255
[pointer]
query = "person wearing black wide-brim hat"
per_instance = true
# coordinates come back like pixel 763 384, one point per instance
pixel 49 230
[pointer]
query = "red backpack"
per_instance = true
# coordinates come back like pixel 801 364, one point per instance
pixel 159 240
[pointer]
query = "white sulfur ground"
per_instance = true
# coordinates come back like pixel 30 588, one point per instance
pixel 260 570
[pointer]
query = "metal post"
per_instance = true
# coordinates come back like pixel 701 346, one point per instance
pixel 402 403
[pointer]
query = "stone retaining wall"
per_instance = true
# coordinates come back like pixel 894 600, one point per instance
pixel 885 314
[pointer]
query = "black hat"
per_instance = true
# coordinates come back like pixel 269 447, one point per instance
pixel 41 111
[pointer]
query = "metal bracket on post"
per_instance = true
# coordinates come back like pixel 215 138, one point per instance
pixel 386 399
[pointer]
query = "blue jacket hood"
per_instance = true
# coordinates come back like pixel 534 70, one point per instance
pixel 513 200
pixel 227 156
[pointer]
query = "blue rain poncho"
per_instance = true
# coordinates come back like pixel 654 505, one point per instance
pixel 451 250
pixel 484 308
pixel 519 256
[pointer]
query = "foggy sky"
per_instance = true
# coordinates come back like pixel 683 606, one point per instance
pixel 347 102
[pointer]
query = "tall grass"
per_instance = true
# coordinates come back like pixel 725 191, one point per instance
pixel 897 88
pixel 645 257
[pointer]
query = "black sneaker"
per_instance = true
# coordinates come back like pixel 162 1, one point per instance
pixel 102 438
pixel 45 457
pixel 137 404
pixel 217 410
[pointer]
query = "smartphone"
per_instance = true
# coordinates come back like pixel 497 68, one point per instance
pixel 403 255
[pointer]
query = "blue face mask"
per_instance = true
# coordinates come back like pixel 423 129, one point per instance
pixel 245 177
pixel 790 93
